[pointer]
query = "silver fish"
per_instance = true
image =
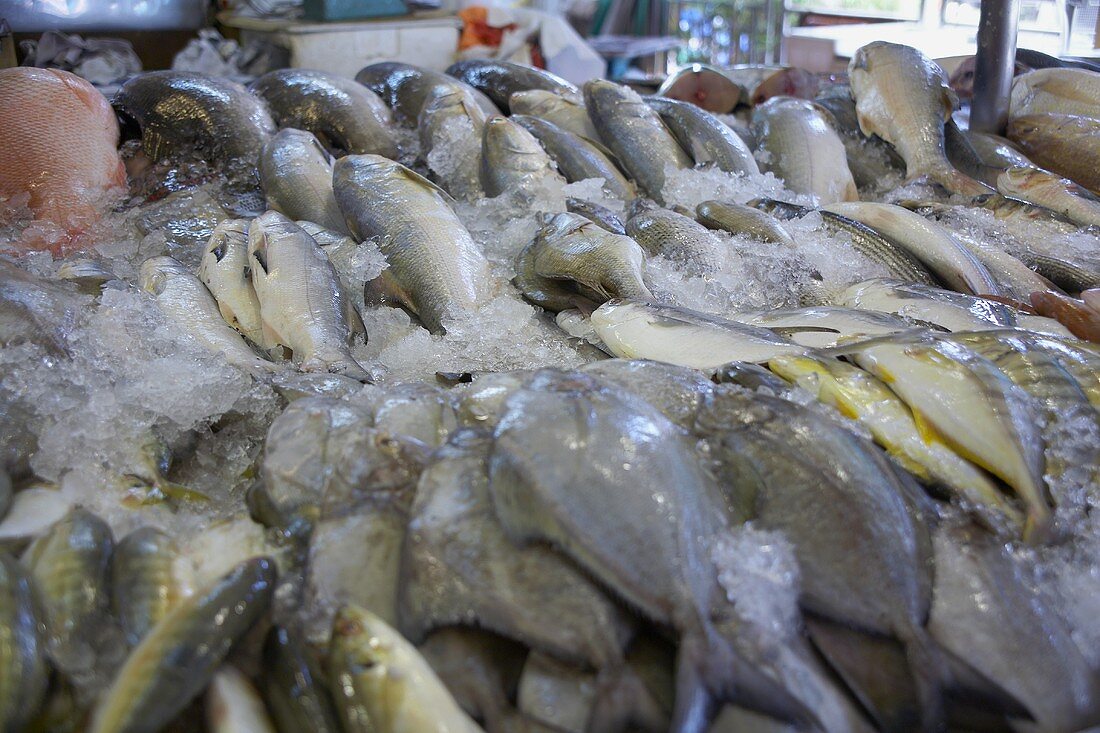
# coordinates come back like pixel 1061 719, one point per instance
pixel 594 512
pixel 343 114
pixel 640 330
pixel 1048 190
pixel 178 658
pixel 512 160
pixel 451 110
pixel 183 113
pixel 434 262
pixel 675 236
pixel 635 132
pixel 569 247
pixel 577 158
pixel 739 219
pixel 703 135
pixel 925 304
pixel 501 79
pixel 600 215
pixel 799 145
pixel 301 302
pixel 296 176
pixel 24 672
pixel 224 271
pixel 934 246
pixel 564 110
pixel 186 302
pixel 903 97
pixel 405 87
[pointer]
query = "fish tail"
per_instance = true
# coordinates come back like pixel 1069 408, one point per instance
pixel 710 671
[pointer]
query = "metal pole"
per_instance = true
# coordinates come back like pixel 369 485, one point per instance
pixel 995 65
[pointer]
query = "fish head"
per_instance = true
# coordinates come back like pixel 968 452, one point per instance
pixel 508 144
pixel 228 236
pixel 369 646
pixel 157 271
pixel 445 96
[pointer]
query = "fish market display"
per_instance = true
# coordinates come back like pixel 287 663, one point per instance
pixel 477 401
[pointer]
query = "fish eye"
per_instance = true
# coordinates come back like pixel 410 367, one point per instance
pixel 218 251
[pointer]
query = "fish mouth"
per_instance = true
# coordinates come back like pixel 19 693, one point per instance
pixel 128 126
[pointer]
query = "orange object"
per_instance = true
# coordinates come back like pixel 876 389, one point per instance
pixel 1076 315
pixel 476 30
pixel 58 152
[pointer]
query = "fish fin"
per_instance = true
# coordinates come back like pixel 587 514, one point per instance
pixel 873 668
pixel 270 336
pixel 414 176
pixel 357 330
pixel 709 670
pixel 623 703
pixel 958 182
pixel 1082 321
pixel 386 290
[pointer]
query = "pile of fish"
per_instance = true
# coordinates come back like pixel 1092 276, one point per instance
pixel 855 498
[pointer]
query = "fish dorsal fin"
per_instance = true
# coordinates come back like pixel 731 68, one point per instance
pixel 416 177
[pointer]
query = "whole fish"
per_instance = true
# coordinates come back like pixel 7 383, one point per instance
pixel 1065 144
pixel 570 247
pixel 564 110
pixel 233 705
pixel 433 261
pixel 180 655
pixel 293 687
pixel 224 271
pixel 70 565
pixel 24 672
pixel 740 219
pixel 928 305
pixel 301 302
pixel 512 160
pixel 184 113
pixel 1048 190
pixel 903 97
pixel 862 397
pixel 639 330
pixel 600 515
pixel 345 115
pixel 599 215
pixel 501 79
pixel 799 145
pixel 390 679
pixel 577 158
pixel 296 177
pixel 864 240
pixel 704 136
pixel 635 132
pixel 187 303
pixel 669 234
pixel 985 610
pixel 971 405
pixel 449 111
pixel 823 325
pixel 1057 91
pixel 405 87
pixel 59 138
pixel 459 567
pixel 812 479
pixel 934 246
pixel 152 577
